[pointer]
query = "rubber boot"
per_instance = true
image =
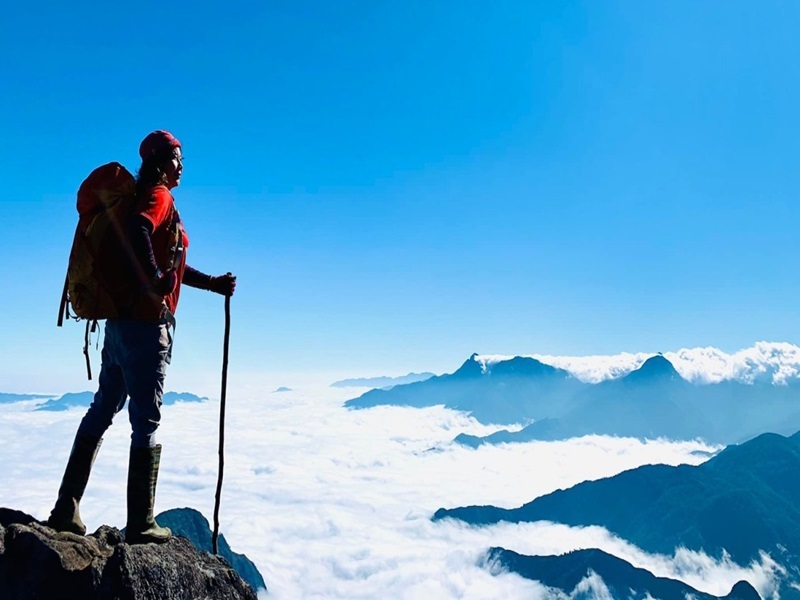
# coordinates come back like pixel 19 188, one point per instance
pixel 142 477
pixel 65 515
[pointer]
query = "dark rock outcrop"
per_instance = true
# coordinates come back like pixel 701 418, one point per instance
pixel 39 563
pixel 191 524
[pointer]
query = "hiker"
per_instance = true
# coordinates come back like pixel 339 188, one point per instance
pixel 138 348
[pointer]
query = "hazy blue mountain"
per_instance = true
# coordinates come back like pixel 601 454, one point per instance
pixel 11 398
pixel 508 392
pixel 623 580
pixel 68 401
pixel 174 397
pixel 73 399
pixel 543 430
pixel 191 524
pixel 382 382
pixel 744 499
pixel 654 369
pixel 650 402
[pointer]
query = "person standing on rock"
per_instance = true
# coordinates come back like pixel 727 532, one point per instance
pixel 138 348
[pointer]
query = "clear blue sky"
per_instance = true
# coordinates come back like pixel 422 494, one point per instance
pixel 400 184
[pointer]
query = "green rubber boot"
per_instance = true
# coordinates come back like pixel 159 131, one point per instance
pixel 65 515
pixel 142 477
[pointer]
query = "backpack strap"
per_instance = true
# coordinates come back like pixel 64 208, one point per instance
pixel 176 248
pixel 63 309
pixel 91 327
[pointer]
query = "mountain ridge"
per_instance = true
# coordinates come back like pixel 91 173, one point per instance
pixel 652 401
pixel 84 399
pixel 741 501
pixel 382 382
pixel 566 572
pixel 523 389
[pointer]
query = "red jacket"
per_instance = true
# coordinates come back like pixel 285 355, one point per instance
pixel 157 206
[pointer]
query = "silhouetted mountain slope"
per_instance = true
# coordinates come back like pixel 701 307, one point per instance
pixel 745 499
pixel 509 391
pixel 623 580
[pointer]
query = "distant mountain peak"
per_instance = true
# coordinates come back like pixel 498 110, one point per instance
pixel 654 368
pixel 524 365
pixel 520 366
pixel 472 367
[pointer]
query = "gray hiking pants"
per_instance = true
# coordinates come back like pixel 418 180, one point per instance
pixel 135 358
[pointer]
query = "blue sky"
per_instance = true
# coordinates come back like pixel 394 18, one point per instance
pixel 400 184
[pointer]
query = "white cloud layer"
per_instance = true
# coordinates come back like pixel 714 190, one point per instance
pixel 773 362
pixel 331 503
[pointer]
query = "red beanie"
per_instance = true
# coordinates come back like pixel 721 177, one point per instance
pixel 157 142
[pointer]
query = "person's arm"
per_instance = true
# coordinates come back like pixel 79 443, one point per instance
pixel 224 284
pixel 140 231
pixel 196 279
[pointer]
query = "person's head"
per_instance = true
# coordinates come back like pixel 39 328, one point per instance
pixel 161 160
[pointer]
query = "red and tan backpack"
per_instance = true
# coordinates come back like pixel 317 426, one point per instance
pixel 100 282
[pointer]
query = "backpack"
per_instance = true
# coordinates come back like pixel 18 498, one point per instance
pixel 100 282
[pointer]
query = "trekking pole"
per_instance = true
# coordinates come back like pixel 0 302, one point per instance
pixel 222 419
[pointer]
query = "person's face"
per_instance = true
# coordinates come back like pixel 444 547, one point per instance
pixel 173 169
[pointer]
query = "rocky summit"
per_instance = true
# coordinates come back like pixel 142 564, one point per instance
pixel 39 563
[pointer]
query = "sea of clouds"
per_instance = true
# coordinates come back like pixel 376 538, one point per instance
pixel 336 503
